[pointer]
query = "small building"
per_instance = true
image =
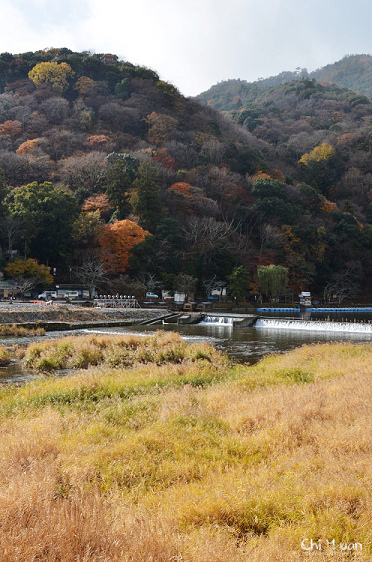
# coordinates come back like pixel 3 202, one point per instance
pixel 7 289
pixel 218 293
pixel 189 306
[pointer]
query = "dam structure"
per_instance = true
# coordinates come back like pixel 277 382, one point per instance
pixel 265 323
pixel 319 309
pixel 314 326
pixel 231 320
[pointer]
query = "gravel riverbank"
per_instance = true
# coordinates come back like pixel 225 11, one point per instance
pixel 18 313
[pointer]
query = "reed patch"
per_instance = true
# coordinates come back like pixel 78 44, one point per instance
pixel 117 351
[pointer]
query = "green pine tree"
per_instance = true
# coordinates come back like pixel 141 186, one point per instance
pixel 148 203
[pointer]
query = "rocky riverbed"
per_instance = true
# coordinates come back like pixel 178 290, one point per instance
pixel 25 313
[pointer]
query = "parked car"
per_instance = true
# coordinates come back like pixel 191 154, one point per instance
pixel 68 294
pixel 150 295
pixel 47 295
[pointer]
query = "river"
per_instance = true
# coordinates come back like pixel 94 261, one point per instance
pixel 277 334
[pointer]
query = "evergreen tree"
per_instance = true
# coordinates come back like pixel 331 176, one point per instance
pixel 239 284
pixel 118 184
pixel 3 193
pixel 148 203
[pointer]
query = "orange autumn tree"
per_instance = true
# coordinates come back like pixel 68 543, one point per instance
pixel 273 174
pixel 117 242
pixel 11 128
pixel 28 146
pixel 99 202
pixel 95 142
pixel 181 187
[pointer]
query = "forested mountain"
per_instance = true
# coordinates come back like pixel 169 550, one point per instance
pixel 109 171
pixel 353 72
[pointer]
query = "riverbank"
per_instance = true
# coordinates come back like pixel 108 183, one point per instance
pixel 165 451
pixel 64 315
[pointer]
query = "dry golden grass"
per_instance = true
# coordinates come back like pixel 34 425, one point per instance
pixel 193 461
pixel 4 356
pixel 126 350
pixel 16 330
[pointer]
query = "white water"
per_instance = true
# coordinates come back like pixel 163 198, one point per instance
pixel 217 321
pixel 351 327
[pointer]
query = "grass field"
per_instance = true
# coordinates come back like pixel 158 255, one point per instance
pixel 155 449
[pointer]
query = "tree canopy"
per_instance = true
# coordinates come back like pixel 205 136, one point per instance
pixel 88 140
pixel 117 242
pixel 46 214
pixel 27 274
pixel 272 279
pixel 53 73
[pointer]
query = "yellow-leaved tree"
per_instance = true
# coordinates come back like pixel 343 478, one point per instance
pixel 53 73
pixel 27 274
pixel 319 154
pixel 321 168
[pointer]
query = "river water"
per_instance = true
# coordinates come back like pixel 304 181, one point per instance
pixel 275 333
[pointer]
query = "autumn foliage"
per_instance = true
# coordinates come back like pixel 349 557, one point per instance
pixel 117 242
pixel 30 269
pixel 53 73
pixel 328 206
pixel 96 141
pixel 27 146
pixel 274 174
pixel 164 158
pixel 319 154
pixel 181 187
pixel 283 177
pixel 99 202
pixel 82 85
pixel 160 126
pixel 261 175
pixel 11 128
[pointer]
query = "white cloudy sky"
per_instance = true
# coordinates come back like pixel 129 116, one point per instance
pixel 195 43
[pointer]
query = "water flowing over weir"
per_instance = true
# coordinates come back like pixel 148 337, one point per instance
pixel 288 324
pixel 229 321
pixel 218 320
pixel 314 326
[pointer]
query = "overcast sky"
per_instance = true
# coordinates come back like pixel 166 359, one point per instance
pixel 195 43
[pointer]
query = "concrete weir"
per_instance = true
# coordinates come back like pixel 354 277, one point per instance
pixel 246 322
pixel 232 320
pixel 190 318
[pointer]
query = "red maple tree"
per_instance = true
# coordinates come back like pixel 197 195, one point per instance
pixel 117 242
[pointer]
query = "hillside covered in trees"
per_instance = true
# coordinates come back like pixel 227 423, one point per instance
pixel 108 173
pixel 353 72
